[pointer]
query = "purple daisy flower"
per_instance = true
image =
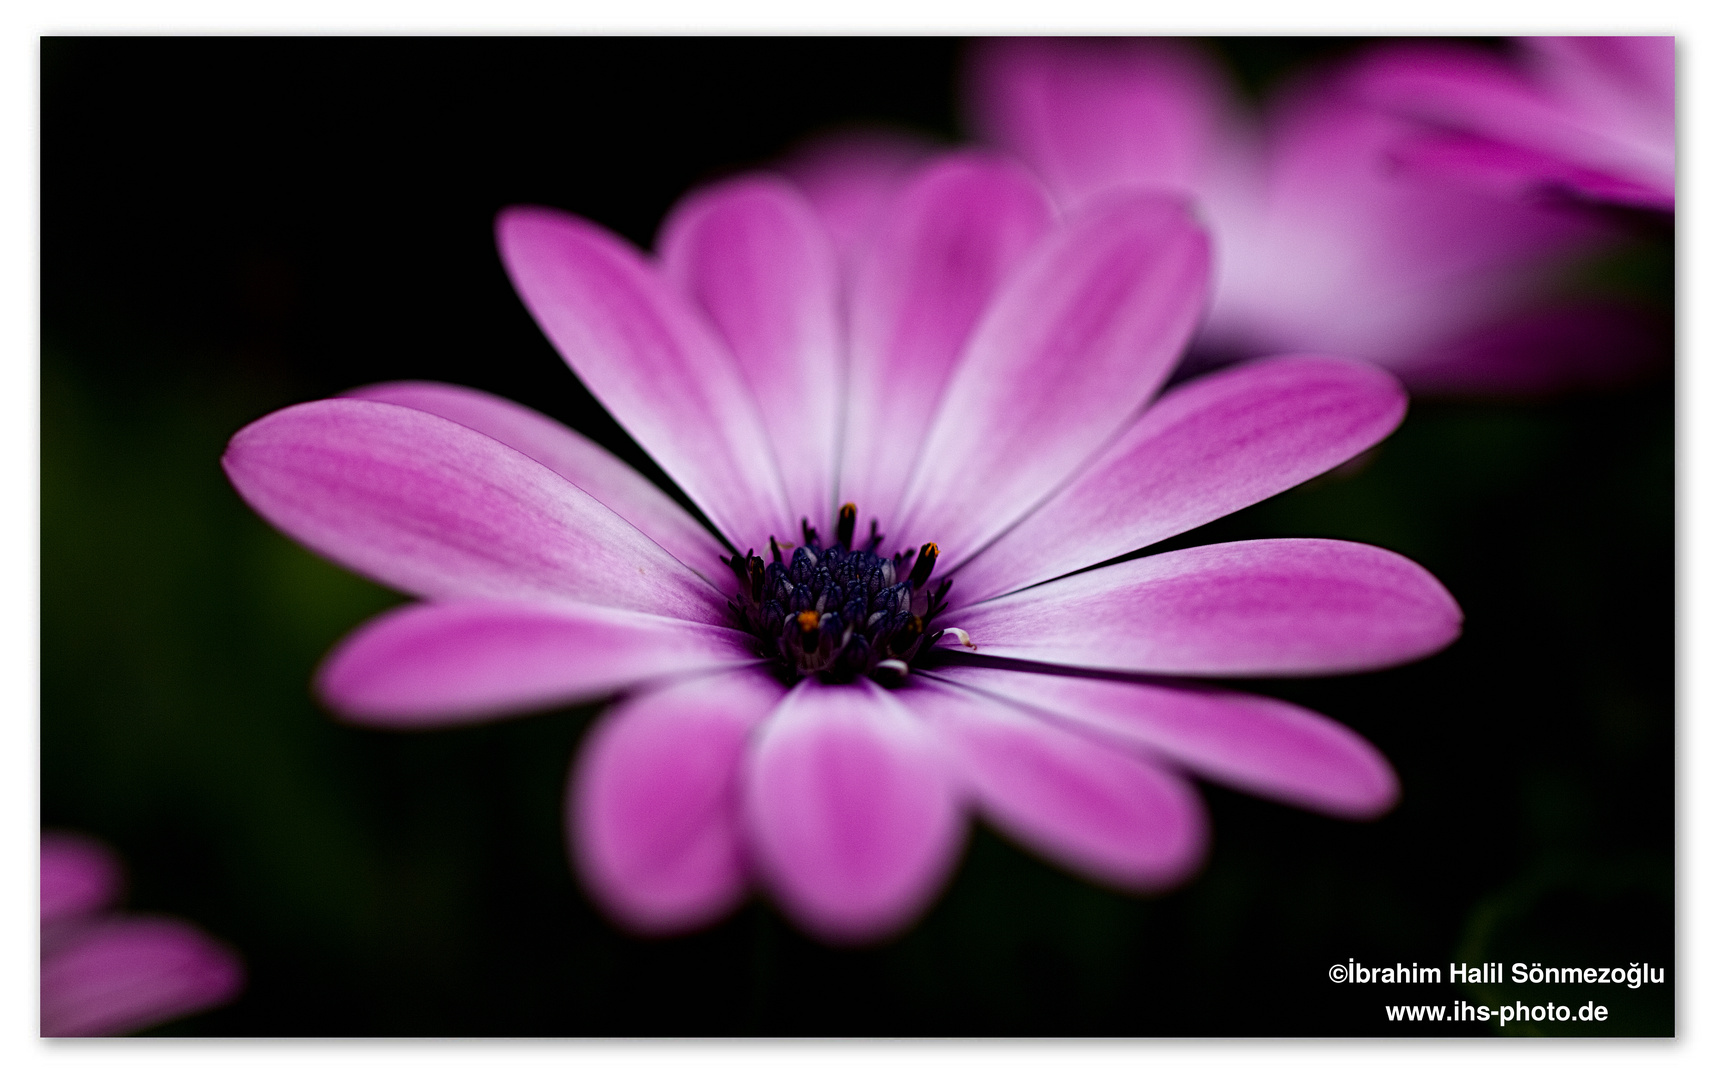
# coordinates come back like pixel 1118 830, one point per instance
pixel 1349 215
pixel 111 974
pixel 917 447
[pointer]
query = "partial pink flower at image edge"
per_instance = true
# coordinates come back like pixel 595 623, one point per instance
pixel 106 972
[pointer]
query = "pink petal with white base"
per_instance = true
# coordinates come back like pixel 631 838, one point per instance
pixel 1254 608
pixel 753 255
pixel 654 802
pixel 1204 450
pixel 1256 744
pixel 1076 342
pixel 1111 815
pixel 128 973
pixel 851 810
pixel 429 665
pixel 652 360
pixel 432 507
pixel 953 234
pixel 585 463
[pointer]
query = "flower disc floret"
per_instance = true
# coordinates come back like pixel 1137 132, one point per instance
pixel 840 611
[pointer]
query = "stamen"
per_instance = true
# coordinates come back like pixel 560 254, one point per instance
pixel 847 524
pixel 809 622
pixel 963 638
pixel 924 565
pixel 906 635
pixel 757 576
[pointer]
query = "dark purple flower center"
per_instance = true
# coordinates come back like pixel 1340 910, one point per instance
pixel 840 611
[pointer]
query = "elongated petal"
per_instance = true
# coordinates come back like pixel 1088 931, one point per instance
pixel 851 811
pixel 1254 608
pixel 1208 448
pixel 652 361
pixel 1111 815
pixel 428 665
pixel 435 508
pixel 1638 68
pixel 654 805
pixel 79 875
pixel 1582 113
pixel 585 463
pixel 753 254
pixel 1522 173
pixel 851 177
pixel 1091 115
pixel 1256 744
pixel 952 235
pixel 129 973
pixel 1079 338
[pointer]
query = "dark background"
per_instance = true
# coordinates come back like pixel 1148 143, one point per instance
pixel 230 226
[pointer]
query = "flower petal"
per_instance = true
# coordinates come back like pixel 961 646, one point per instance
pixel 1256 744
pixel 1111 815
pixel 1358 256
pixel 1254 608
pixel 431 507
pixel 1639 69
pixel 125 974
pixel 851 177
pixel 951 236
pixel 1208 448
pixel 1521 173
pixel 1584 113
pixel 654 801
pixel 79 875
pixel 1078 339
pixel 851 810
pixel 753 254
pixel 646 355
pixel 429 665
pixel 585 463
pixel 1091 115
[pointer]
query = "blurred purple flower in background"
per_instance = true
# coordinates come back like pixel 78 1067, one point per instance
pixel 1595 117
pixel 1355 215
pixel 105 973
pixel 931 412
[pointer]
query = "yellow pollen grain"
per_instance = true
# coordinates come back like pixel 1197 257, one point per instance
pixel 808 620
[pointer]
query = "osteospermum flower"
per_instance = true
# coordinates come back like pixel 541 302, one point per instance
pixel 915 461
pixel 1343 220
pixel 105 973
